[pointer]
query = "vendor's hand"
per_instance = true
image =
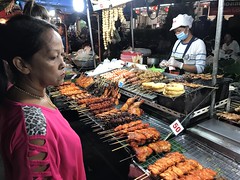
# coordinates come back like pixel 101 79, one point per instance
pixel 163 64
pixel 229 51
pixel 174 63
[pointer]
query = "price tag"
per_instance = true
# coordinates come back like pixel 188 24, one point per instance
pixel 75 75
pixel 120 84
pixel 176 127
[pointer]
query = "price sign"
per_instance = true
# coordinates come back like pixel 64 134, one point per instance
pixel 120 84
pixel 100 4
pixel 176 127
pixel 117 2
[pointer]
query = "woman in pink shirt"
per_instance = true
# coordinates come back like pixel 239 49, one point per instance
pixel 36 141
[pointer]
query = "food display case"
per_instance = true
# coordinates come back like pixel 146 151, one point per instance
pixel 209 142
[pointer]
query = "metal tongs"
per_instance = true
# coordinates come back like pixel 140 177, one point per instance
pixel 188 115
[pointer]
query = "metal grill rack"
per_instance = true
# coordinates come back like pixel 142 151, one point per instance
pixel 162 127
pixel 140 92
pixel 234 104
pixel 153 104
pixel 192 148
pixel 208 157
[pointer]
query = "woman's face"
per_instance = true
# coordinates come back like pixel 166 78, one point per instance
pixel 61 30
pixel 228 38
pixel 47 65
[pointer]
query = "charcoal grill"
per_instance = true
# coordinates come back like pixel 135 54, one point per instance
pixel 192 97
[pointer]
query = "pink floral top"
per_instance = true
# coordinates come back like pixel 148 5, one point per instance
pixel 21 123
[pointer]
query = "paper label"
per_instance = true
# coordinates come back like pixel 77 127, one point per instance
pixel 120 84
pixel 176 127
pixel 100 4
pixel 117 2
pixel 105 4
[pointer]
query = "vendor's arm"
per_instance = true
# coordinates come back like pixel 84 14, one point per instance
pixel 236 48
pixel 189 68
pixel 227 49
pixel 197 61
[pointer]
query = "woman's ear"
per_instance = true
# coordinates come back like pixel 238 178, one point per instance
pixel 21 65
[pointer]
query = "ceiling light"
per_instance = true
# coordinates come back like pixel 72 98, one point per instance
pixel 51 13
pixel 78 5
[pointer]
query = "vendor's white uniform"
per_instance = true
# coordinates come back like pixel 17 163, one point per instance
pixel 188 53
pixel 196 54
pixel 232 46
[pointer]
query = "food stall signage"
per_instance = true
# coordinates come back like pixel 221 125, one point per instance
pixel 118 2
pixel 230 8
pixel 100 4
pixel 105 4
pixel 176 127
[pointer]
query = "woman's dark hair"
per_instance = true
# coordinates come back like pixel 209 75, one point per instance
pixel 3 81
pixel 35 10
pixel 21 37
pixel 3 75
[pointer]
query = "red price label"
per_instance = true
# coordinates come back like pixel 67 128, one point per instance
pixel 176 127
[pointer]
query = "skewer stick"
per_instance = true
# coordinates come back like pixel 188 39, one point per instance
pixel 90 122
pixel 114 139
pixel 118 142
pixel 141 176
pixel 130 157
pixel 72 106
pixel 84 119
pixel 99 129
pixel 108 135
pixel 55 95
pixel 144 177
pixel 211 87
pixel 105 132
pixel 125 145
pixel 76 108
pixel 83 110
pixel 104 137
pixel 94 126
pixel 82 115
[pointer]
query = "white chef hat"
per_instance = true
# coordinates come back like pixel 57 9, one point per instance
pixel 182 20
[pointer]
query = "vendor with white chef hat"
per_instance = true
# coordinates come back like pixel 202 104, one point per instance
pixel 188 53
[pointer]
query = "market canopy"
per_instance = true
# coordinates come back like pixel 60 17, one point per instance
pixel 67 7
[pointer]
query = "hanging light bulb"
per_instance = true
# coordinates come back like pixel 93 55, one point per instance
pixel 52 13
pixel 78 5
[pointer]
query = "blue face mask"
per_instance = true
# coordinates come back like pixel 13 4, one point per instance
pixel 182 36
